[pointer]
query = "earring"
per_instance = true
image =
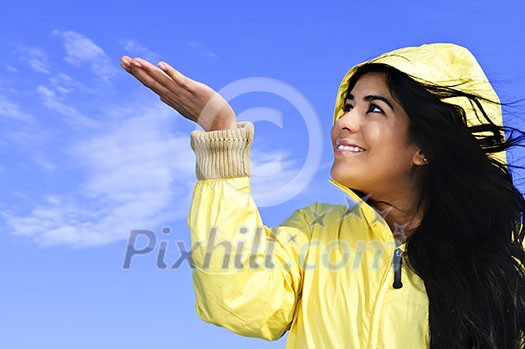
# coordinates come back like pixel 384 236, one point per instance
pixel 425 160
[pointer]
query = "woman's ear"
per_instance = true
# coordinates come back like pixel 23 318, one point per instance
pixel 420 159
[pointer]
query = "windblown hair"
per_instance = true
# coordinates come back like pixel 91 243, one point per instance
pixel 468 248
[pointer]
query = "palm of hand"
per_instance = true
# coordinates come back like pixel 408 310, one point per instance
pixel 192 99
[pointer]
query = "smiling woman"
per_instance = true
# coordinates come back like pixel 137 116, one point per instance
pixel 418 145
pixel 372 151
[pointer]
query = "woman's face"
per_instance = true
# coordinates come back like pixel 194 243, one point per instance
pixel 372 153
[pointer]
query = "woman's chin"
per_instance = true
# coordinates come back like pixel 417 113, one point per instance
pixel 344 181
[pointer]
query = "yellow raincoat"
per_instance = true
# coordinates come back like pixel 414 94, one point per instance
pixel 326 274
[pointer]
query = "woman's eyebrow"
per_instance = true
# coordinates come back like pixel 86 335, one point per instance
pixel 381 98
pixel 372 98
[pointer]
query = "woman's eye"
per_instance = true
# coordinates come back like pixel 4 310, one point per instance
pixel 375 109
pixel 347 108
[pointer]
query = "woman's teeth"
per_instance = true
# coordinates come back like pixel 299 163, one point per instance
pixel 352 149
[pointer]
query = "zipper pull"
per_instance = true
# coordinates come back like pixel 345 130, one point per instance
pixel 398 261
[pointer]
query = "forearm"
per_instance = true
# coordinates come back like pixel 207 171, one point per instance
pixel 239 277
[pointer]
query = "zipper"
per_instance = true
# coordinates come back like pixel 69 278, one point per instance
pixel 398 262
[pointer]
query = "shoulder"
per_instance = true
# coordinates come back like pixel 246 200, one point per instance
pixel 317 208
pixel 315 213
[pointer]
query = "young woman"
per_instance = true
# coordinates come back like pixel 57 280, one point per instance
pixel 431 254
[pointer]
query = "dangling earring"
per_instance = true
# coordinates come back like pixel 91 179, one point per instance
pixel 425 160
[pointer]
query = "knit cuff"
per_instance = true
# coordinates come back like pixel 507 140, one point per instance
pixel 223 153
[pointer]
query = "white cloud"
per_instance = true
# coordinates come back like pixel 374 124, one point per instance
pixel 276 177
pixel 65 84
pixel 28 137
pixel 80 49
pixel 43 162
pixel 12 111
pixel 203 50
pixel 136 49
pixel 138 154
pixel 11 69
pixel 35 58
pixel 73 116
pixel 137 175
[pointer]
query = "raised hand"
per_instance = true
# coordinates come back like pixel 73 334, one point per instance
pixel 192 99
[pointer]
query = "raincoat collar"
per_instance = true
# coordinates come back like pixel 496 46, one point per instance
pixel 373 218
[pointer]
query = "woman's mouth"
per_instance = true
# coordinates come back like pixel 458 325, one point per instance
pixel 351 148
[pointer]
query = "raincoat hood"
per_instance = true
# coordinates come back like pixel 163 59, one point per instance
pixel 439 64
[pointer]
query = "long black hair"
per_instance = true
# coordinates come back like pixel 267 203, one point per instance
pixel 468 248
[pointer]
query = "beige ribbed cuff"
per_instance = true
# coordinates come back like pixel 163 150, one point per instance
pixel 223 153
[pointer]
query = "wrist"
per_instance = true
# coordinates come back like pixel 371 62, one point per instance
pixel 222 125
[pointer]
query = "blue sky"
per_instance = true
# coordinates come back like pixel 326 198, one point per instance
pixel 87 154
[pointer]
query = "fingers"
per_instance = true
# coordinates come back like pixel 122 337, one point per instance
pixel 149 75
pixel 133 66
pixel 172 73
pixel 186 96
pixel 125 62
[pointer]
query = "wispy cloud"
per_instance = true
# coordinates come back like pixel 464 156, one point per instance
pixel 134 48
pixel 11 69
pixel 127 172
pixel 65 84
pixel 41 160
pixel 137 175
pixel 10 110
pixel 203 50
pixel 276 176
pixel 80 50
pixel 36 59
pixel 71 114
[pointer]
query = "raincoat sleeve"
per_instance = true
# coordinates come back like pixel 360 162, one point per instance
pixel 247 277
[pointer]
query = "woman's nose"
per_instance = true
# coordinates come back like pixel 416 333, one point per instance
pixel 350 121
